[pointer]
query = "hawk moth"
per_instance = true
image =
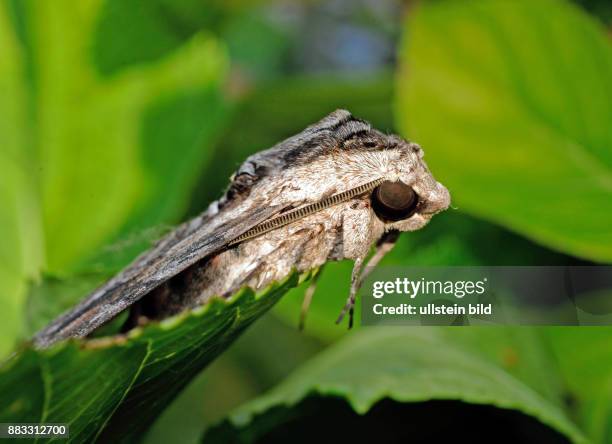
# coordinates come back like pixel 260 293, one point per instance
pixel 327 193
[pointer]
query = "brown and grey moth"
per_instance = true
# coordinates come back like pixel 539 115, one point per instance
pixel 328 193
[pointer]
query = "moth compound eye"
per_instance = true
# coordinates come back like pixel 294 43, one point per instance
pixel 394 201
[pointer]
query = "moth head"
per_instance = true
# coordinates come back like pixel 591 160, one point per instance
pixel 410 196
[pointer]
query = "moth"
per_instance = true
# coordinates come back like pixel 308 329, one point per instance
pixel 328 193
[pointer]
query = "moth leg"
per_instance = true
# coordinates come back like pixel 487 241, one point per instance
pixel 384 245
pixel 350 302
pixel 308 297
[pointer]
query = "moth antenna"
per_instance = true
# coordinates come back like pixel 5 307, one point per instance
pixel 300 213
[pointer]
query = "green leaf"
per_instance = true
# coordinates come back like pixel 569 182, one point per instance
pixel 89 160
pixel 376 366
pixel 112 388
pixel 249 367
pixel 512 102
pixel 21 252
pixel 584 358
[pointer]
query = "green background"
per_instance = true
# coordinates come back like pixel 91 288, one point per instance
pixel 121 118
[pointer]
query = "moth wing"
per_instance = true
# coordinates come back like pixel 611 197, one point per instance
pixel 173 254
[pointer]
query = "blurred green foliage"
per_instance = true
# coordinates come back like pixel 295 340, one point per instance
pixel 120 118
pixel 91 159
pixel 518 124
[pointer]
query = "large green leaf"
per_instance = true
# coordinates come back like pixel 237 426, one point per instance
pixel 375 366
pixel 513 103
pixel 112 388
pixel 584 358
pixel 88 160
